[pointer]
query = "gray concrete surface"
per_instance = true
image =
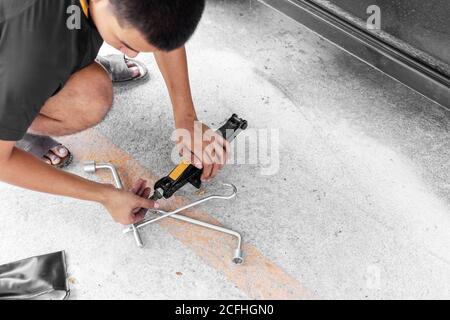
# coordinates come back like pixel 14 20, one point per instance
pixel 359 208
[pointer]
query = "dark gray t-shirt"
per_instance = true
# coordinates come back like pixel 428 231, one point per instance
pixel 38 54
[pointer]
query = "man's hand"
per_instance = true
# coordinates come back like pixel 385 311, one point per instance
pixel 211 154
pixel 204 148
pixel 129 207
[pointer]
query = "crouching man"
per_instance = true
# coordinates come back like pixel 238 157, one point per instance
pixel 53 84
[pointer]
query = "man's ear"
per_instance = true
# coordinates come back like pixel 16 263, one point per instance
pixel 99 2
pixel 103 6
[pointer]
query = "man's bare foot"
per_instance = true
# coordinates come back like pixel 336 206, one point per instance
pixel 47 149
pixel 56 155
pixel 122 69
pixel 135 72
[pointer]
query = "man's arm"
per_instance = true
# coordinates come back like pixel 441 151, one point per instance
pixel 213 153
pixel 24 170
pixel 174 68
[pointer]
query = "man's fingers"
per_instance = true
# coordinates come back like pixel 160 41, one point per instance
pixel 215 154
pixel 210 153
pixel 147 203
pixel 146 193
pixel 222 142
pixel 191 157
pixel 141 191
pixel 214 171
pixel 137 186
pixel 220 156
pixel 207 168
pixel 222 146
pixel 139 216
pixel 142 211
pixel 208 163
pixel 219 162
pixel 129 219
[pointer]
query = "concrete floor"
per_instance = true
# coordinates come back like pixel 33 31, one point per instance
pixel 358 209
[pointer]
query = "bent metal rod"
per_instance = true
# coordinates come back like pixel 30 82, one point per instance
pixel 92 167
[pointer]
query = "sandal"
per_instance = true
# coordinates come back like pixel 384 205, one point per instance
pixel 40 146
pixel 116 66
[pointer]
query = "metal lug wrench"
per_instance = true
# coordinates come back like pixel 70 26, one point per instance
pixel 92 167
pixel 238 258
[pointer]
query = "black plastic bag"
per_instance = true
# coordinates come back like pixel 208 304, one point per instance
pixel 42 277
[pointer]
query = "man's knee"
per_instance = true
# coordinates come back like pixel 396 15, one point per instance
pixel 97 100
pixel 83 103
pixel 100 105
pixel 98 111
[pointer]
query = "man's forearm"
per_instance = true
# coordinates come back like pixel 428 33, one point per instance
pixel 174 68
pixel 24 170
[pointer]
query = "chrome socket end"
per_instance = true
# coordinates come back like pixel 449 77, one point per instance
pixel 238 257
pixel 90 167
pixel 138 239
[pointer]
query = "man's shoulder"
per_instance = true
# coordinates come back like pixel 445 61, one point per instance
pixel 13 8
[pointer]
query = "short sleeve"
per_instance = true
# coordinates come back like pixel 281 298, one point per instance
pixel 29 73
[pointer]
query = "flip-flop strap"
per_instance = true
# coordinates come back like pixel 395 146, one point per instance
pixel 116 66
pixel 39 146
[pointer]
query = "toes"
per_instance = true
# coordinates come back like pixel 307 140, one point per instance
pixel 60 151
pixel 135 72
pixel 55 160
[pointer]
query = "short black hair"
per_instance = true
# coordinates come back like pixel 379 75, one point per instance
pixel 166 24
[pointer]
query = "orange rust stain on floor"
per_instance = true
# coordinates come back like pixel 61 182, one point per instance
pixel 258 277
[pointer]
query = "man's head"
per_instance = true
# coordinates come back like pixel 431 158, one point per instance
pixel 134 26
